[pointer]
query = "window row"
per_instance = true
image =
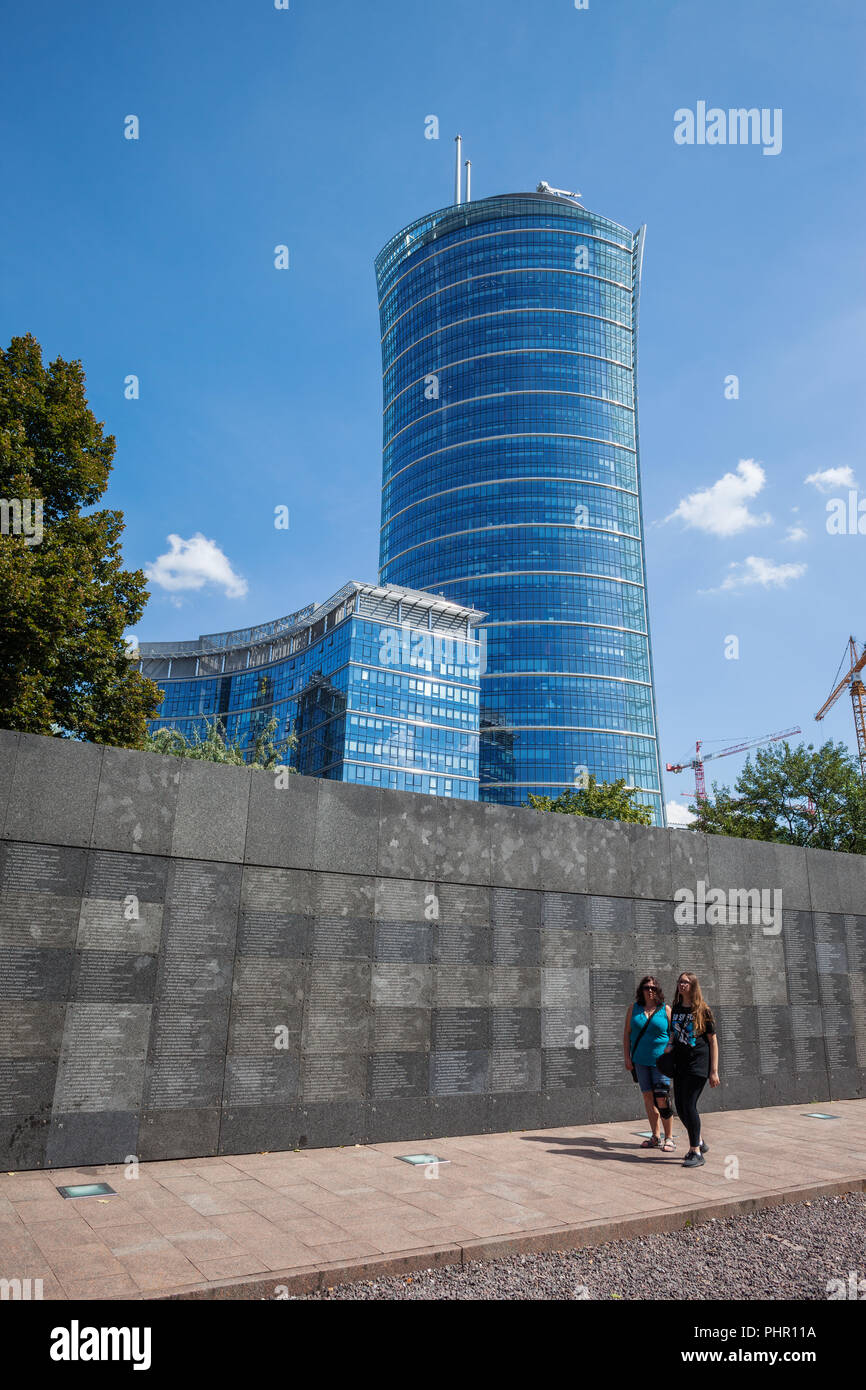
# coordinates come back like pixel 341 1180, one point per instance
pixel 565 255
pixel 559 755
pixel 511 210
pixel 522 548
pixel 548 413
pixel 368 774
pixel 527 503
pixel 516 330
pixel 480 461
pixel 530 597
pixel 451 389
pixel 551 647
pixel 524 290
pixel 498 239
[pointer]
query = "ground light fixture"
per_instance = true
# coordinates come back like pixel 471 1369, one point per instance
pixel 88 1189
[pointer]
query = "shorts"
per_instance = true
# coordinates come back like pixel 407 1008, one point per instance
pixel 650 1078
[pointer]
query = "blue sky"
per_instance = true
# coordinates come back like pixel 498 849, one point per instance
pixel 261 388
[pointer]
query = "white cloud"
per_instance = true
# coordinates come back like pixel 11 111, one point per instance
pixel 678 815
pixel 829 478
pixel 192 564
pixel 721 509
pixel 796 533
pixel 756 570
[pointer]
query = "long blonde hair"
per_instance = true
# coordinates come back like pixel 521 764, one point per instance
pixel 702 1013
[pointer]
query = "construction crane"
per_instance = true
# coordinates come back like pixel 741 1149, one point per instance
pixel 852 680
pixel 697 762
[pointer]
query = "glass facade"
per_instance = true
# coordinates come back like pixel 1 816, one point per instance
pixel 380 685
pixel 511 478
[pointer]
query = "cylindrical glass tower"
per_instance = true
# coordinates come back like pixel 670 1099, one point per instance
pixel 511 479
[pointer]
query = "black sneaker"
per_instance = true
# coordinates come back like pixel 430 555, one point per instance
pixel 705 1148
pixel 693 1161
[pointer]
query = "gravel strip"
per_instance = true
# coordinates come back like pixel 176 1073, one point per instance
pixel 788 1252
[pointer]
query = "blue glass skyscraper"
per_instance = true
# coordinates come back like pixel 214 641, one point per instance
pixel 511 477
pixel 379 686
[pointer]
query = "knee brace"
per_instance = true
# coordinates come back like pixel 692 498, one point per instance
pixel 662 1101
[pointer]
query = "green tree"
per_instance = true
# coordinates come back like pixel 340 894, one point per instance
pixel 598 800
pixel 213 748
pixel 795 796
pixel 65 598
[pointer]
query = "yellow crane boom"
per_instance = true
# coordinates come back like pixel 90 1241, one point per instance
pixel 852 681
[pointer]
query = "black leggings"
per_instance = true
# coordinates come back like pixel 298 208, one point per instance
pixel 687 1089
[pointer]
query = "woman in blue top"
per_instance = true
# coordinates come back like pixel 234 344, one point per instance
pixel 645 1037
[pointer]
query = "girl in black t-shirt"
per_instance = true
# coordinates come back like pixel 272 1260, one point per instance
pixel 695 1058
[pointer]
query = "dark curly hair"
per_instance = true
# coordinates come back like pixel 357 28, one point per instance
pixel 649 980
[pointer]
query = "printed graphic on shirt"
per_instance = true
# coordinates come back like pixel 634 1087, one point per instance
pixel 683 1025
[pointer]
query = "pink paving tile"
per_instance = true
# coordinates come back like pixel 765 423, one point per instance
pixel 281 1179
pixel 208 1247
pixel 42 1286
pixel 247 1228
pixel 66 1177
pixel 333 1208
pixel 61 1235
pixel 153 1199
pixel 169 1220
pixel 314 1231
pixel 216 1240
pixel 279 1207
pixel 252 1165
pixel 212 1203
pixel 430 1222
pixel 386 1236
pixel 56 1209
pixel 214 1169
pixel 283 1253
pixel 108 1286
pixel 344 1185
pixel 186 1182
pixel 24 1262
pixel 234 1267
pixel 114 1212
pixel 277 1183
pixel 167 1168
pixel 161 1269
pixel 424 1203
pixel 84 1262
pixel 29 1189
pixel 247 1190
pixel 346 1250
pixel 129 1239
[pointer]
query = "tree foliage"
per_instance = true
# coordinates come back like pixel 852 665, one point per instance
pixel 213 748
pixel 598 800
pixel 65 601
pixel 795 796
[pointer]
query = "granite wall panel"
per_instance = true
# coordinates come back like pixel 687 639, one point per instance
pixel 194 960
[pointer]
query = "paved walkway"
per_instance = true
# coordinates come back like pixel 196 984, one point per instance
pixel 240 1226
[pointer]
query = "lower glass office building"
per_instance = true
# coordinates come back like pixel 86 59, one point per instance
pixel 511 477
pixel 380 685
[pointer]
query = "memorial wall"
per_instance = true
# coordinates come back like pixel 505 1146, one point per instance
pixel 195 961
